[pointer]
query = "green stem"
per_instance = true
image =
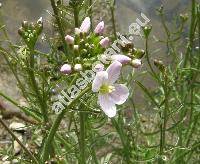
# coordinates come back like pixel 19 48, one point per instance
pixel 123 139
pixel 35 88
pixel 164 119
pixel 60 28
pixel 76 18
pixel 28 111
pixel 82 137
pixel 191 37
pixel 90 13
pixel 5 53
pixel 20 143
pixel 112 10
pixel 54 128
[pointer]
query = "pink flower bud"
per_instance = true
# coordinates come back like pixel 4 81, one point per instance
pixel 66 69
pixel 99 28
pixel 85 26
pixel 104 42
pixel 69 39
pixel 136 63
pixel 78 67
pixel 123 59
pixel 99 67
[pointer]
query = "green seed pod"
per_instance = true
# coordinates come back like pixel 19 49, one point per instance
pixel 147 31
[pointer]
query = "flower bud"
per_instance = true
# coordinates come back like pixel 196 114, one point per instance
pixel 184 17
pixel 85 26
pixel 66 69
pixel 99 67
pixel 159 64
pixel 25 24
pixel 123 59
pixel 136 63
pixel 76 48
pixel 147 31
pixel 99 28
pixel 21 31
pixel 128 47
pixel 139 53
pixel 77 31
pixel 104 42
pixel 78 67
pixel 69 39
pixel 40 21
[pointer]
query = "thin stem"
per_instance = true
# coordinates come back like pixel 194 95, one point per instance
pixel 82 137
pixel 123 139
pixel 20 143
pixel 90 14
pixel 35 88
pixel 191 37
pixel 60 28
pixel 54 128
pixel 76 18
pixel 5 53
pixel 112 10
pixel 164 118
pixel 28 111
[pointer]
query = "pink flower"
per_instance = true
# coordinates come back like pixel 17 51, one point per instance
pixel 123 59
pixel 69 39
pixel 110 93
pixel 85 26
pixel 99 28
pixel 104 42
pixel 136 63
pixel 66 69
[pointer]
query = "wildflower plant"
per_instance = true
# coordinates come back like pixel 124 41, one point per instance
pixel 81 97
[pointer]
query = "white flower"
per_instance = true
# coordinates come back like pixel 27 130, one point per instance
pixel 110 93
pixel 136 63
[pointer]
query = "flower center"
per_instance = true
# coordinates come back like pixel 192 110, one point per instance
pixel 106 89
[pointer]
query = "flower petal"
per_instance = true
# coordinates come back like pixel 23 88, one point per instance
pixel 104 42
pixel 123 59
pixel 107 105
pixel 85 26
pixel 114 71
pixel 99 28
pixel 120 94
pixel 100 78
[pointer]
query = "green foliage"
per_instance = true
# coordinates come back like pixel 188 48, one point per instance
pixel 164 128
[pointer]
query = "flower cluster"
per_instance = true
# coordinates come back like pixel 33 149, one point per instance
pixel 87 48
pixel 84 47
pixel 30 32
